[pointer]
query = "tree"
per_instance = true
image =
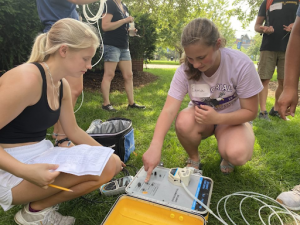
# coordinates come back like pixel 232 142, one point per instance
pixel 246 10
pixel 19 26
pixel 173 15
pixel 254 48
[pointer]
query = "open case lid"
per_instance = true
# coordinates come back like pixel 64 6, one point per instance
pixel 160 190
pixel 130 210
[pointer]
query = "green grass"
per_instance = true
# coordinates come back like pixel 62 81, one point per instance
pixel 161 62
pixel 274 166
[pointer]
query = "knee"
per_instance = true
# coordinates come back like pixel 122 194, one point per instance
pixel 112 168
pixel 128 76
pixel 108 76
pixel 76 91
pixel 238 156
pixel 183 124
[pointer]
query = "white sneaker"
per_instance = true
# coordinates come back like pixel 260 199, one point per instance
pixel 290 199
pixel 47 216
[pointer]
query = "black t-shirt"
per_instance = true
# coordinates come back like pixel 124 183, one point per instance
pixel 280 13
pixel 119 36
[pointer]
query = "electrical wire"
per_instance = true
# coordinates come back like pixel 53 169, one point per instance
pixel 201 203
pixel 247 194
pixel 92 20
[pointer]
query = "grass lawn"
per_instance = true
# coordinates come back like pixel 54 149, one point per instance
pixel 163 62
pixel 274 166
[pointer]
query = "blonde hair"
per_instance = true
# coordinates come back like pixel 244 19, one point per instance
pixel 70 32
pixel 203 31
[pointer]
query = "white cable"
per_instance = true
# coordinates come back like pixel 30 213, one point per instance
pixel 93 20
pixel 82 97
pixel 201 203
pixel 257 197
pixel 253 195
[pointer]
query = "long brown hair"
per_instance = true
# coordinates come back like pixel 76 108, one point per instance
pixel 203 31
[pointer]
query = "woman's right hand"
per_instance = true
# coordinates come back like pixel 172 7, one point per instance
pixel 40 174
pixel 129 19
pixel 151 159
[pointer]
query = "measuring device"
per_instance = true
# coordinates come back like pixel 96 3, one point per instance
pixel 116 187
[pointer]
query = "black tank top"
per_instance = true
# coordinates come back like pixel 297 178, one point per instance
pixel 32 124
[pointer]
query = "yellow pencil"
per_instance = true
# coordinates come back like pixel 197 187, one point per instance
pixel 59 187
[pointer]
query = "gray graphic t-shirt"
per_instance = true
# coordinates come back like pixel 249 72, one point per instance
pixel 235 78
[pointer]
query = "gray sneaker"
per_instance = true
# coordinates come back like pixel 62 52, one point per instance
pixel 47 216
pixel 290 199
pixel 263 115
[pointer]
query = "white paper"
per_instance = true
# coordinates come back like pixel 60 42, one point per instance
pixel 200 90
pixel 78 160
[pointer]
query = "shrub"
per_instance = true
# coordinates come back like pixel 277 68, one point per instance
pixel 19 26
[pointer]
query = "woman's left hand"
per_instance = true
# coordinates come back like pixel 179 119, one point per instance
pixel 205 114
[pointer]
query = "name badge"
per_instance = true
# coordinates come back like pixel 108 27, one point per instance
pixel 276 6
pixel 127 14
pixel 200 90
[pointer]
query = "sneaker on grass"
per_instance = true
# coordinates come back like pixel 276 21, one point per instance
pixel 136 106
pixel 109 108
pixel 276 114
pixel 263 115
pixel 48 216
pixel 290 199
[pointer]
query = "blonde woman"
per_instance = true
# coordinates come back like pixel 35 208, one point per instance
pixel 223 87
pixel 33 97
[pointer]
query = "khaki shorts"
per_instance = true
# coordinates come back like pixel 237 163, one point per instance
pixel 268 61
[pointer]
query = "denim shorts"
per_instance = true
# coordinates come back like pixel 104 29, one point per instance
pixel 114 54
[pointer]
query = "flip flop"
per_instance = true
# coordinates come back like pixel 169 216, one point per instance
pixel 228 167
pixel 195 164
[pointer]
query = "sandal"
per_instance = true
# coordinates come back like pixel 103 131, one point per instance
pixel 195 164
pixel 58 142
pixel 229 167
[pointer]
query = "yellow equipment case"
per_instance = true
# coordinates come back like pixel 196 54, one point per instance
pixel 159 202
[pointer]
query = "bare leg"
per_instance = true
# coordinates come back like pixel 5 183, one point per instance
pixel 263 95
pixel 278 93
pixel 126 69
pixel 190 133
pixel 235 143
pixel 41 198
pixel 76 85
pixel 109 74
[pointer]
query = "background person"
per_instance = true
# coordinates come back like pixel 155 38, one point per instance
pixel 49 12
pixel 33 96
pixel 225 85
pixel 289 99
pixel 116 52
pixel 278 21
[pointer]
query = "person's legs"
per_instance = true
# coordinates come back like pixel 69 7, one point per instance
pixel 235 144
pixel 125 66
pixel 126 70
pixel 41 199
pixel 76 86
pixel 263 95
pixel 278 92
pixel 190 133
pixel 109 74
pixel 266 67
pixel 280 78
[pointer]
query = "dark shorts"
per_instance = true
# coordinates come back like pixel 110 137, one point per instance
pixel 114 54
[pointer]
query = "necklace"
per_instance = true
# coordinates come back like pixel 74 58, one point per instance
pixel 53 86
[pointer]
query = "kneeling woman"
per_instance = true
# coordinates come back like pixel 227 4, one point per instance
pixel 33 97
pixel 223 87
